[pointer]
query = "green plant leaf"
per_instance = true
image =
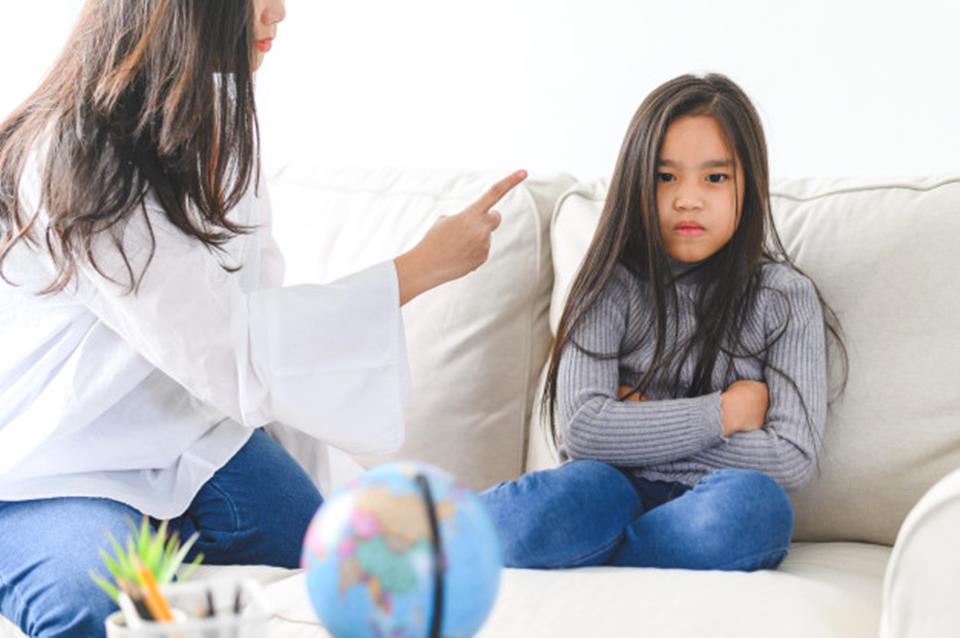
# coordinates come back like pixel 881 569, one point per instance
pixel 112 566
pixel 105 585
pixel 125 567
pixel 191 567
pixel 176 560
pixel 160 552
pixel 154 550
pixel 142 535
pixel 169 549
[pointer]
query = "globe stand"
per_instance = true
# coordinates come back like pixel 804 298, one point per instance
pixel 436 545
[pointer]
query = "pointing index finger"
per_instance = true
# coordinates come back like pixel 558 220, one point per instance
pixel 498 190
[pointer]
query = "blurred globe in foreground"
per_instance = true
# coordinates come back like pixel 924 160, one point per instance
pixel 371 556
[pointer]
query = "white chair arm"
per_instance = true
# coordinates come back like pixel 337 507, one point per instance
pixel 921 590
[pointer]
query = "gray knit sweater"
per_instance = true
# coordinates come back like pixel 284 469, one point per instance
pixel 668 439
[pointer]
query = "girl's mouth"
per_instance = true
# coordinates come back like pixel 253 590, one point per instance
pixel 264 45
pixel 689 229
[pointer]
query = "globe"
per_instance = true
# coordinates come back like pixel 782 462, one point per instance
pixel 403 551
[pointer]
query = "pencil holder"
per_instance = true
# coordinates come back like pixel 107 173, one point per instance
pixel 204 609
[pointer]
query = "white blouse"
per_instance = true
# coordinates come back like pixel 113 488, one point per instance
pixel 141 397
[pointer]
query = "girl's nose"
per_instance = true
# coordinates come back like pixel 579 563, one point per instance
pixel 687 202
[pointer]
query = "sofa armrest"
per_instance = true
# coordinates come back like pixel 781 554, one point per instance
pixel 922 583
pixel 541 453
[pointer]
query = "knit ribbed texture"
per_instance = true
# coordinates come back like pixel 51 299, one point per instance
pixel 667 439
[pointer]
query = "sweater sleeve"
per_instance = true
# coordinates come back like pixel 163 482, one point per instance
pixel 795 374
pixel 597 425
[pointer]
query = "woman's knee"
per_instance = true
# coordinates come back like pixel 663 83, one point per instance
pixel 71 605
pixel 47 551
pixel 254 510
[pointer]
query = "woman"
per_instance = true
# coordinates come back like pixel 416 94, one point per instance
pixel 145 334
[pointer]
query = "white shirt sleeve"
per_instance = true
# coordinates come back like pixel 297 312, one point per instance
pixel 272 265
pixel 328 360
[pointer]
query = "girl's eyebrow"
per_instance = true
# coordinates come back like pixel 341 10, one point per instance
pixel 714 163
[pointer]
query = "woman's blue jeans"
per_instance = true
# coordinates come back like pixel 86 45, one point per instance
pixel 255 510
pixel 588 513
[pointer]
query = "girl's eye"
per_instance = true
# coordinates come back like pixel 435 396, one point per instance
pixel 718 178
pixel 664 177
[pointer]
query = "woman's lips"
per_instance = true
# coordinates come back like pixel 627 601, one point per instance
pixel 264 45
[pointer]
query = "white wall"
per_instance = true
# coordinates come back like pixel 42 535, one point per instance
pixel 845 87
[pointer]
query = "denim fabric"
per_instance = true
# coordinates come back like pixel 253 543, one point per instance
pixel 589 513
pixel 254 510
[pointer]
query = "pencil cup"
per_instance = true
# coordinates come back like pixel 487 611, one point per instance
pixel 204 609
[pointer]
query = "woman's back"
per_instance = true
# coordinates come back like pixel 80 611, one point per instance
pixel 69 382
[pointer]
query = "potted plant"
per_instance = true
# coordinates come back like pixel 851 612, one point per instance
pixel 149 560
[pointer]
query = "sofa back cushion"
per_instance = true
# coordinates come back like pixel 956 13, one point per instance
pixel 475 345
pixel 880 252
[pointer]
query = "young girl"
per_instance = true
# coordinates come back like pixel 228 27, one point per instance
pixel 145 337
pixel 687 384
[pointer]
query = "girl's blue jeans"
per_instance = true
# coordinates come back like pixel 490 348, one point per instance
pixel 254 510
pixel 588 513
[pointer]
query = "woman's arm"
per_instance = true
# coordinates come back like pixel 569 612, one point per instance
pixel 328 360
pixel 272 263
pixel 455 246
pixel 325 359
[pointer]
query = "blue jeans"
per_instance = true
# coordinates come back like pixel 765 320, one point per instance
pixel 254 510
pixel 588 513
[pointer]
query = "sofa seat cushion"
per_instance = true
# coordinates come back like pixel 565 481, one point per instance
pixel 822 589
pixel 828 590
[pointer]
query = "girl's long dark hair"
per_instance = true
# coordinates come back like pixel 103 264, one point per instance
pixel 147 96
pixel 628 234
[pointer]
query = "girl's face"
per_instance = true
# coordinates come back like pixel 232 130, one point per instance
pixel 266 15
pixel 697 202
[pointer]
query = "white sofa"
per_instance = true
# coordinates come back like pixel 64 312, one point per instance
pixel 880 250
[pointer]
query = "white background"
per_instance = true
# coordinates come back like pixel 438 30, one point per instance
pixel 844 87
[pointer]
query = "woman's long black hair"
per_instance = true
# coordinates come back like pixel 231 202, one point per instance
pixel 628 234
pixel 147 96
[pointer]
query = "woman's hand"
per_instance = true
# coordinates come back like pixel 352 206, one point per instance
pixel 744 406
pixel 625 390
pixel 455 245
